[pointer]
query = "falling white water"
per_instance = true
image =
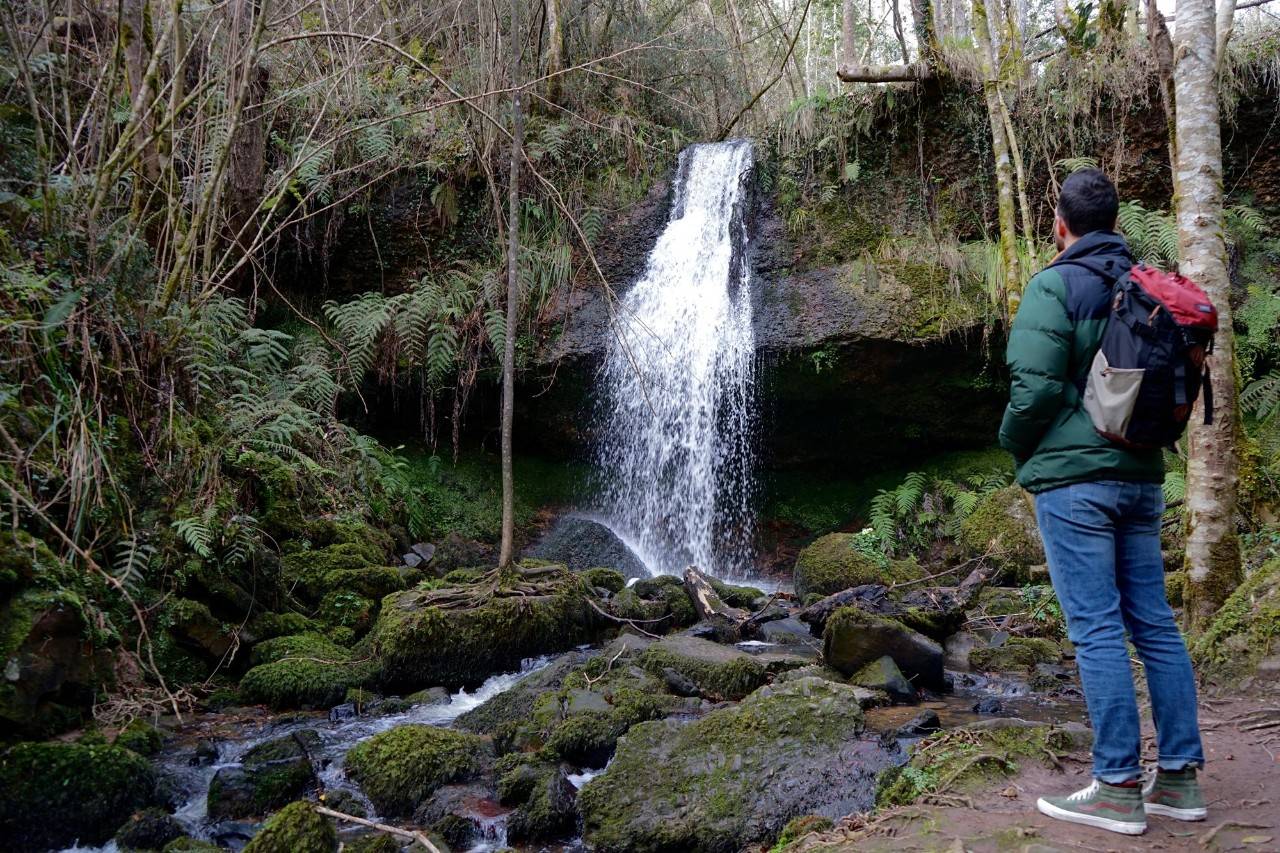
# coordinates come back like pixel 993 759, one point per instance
pixel 678 381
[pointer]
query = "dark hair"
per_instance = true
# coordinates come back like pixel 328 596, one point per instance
pixel 1088 202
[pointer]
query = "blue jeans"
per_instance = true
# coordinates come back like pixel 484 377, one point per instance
pixel 1102 540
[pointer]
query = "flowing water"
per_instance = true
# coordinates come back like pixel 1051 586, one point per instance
pixel 678 381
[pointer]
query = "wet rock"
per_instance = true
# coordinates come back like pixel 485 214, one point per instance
pixel 661 603
pixel 141 737
pixel 270 775
pixel 516 704
pixel 957 648
pixel 834 563
pixel 719 672
pixel 50 673
pixel 149 829
pixel 883 674
pixel 852 639
pixel 57 793
pixel 430 696
pixel 455 552
pixel 376 842
pixel 296 828
pixel 424 551
pixel 206 753
pixel 677 683
pixel 922 724
pixel 544 799
pixel 344 801
pixel 345 711
pixel 411 560
pixel 787 631
pixel 989 705
pixel 187 844
pixel 422 643
pixel 1003 525
pixel 737 775
pixel 399 768
pixel 582 544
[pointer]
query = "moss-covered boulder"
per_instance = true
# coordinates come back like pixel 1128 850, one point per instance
pixel 187 844
pixel 736 776
pixel 311 574
pixel 515 706
pixel 149 829
pixel 141 737
pixel 57 793
pixel 799 827
pixel 853 638
pixel 1003 524
pixel 607 579
pixel 269 776
pixel 1243 639
pixel 834 563
pixel 718 671
pixel 883 675
pixel 581 543
pixel 296 828
pixel 457 637
pixel 1016 654
pixel 660 602
pixel 956 760
pixel 734 595
pixel 304 671
pixel 399 768
pixel 543 799
pixel 52 665
pixel 195 629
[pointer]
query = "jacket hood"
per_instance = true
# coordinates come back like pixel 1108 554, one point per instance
pixel 1104 253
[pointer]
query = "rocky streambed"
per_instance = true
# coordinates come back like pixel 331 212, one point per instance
pixel 648 723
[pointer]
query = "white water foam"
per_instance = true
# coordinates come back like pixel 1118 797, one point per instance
pixel 678 382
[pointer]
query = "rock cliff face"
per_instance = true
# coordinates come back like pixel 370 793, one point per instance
pixel 885 354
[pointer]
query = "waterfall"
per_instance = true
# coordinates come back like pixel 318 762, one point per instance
pixel 677 384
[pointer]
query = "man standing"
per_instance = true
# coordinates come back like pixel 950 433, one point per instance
pixel 1099 507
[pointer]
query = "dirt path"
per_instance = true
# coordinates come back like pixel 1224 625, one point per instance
pixel 1241 780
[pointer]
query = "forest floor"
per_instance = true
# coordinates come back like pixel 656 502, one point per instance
pixel 1241 781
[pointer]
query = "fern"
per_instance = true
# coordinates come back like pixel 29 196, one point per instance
pixel 196 534
pixel 1070 165
pixel 130 564
pixel 1262 396
pixel 1152 234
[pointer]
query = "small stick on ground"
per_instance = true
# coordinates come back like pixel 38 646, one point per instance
pixel 1207 838
pixel 419 837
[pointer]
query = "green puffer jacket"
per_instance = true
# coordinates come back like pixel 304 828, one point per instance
pixel 1053 340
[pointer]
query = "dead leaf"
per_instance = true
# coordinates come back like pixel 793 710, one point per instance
pixel 1255 839
pixel 1010 792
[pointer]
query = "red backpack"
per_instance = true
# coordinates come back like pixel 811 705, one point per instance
pixel 1151 365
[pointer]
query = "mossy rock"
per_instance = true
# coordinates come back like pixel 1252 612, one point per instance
pixel 421 643
pixel 515 706
pixel 608 579
pixel 883 675
pixel 1016 654
pixel 1245 632
pixel 544 799
pixel 833 563
pixel 399 768
pixel 744 597
pixel 956 760
pixel 149 829
pixel 297 828
pixel 310 573
pixel 374 842
pixel 268 626
pixel 187 844
pixel 346 609
pixel 270 775
pixel 141 737
pixel 1004 525
pixel 304 671
pixel 853 638
pixel 701 785
pixel 720 672
pixel 799 827
pixel 1175 584
pixel 662 597
pixel 53 662
pixel 90 789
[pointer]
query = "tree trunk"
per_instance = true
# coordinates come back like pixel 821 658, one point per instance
pixel 1006 206
pixel 851 70
pixel 1213 551
pixel 555 49
pixel 1225 23
pixel 507 548
pixel 899 34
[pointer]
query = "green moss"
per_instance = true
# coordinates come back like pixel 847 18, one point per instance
pixel 377 842
pixel 91 789
pixel 720 672
pixel 1017 653
pixel 346 609
pixel 669 590
pixel 799 827
pixel 605 579
pixel 420 643
pixel 267 626
pixel 271 775
pixel 187 844
pixel 149 829
pixel 296 828
pixel 141 737
pixel 542 797
pixel 304 671
pixel 737 596
pixel 1245 631
pixel 311 573
pixel 1004 525
pixel 1175 583
pixel 955 760
pixel 833 563
pixel 399 768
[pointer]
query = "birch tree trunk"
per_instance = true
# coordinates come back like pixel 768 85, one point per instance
pixel 1006 206
pixel 507 548
pixel 1213 551
pixel 555 49
pixel 1225 23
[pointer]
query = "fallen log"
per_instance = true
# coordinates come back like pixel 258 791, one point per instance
pixel 731 623
pixel 856 73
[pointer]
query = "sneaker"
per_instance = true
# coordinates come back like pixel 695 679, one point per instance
pixel 1117 808
pixel 1175 794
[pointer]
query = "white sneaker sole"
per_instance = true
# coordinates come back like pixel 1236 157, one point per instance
pixel 1123 827
pixel 1176 814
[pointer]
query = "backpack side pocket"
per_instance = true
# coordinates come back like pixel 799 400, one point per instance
pixel 1110 395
